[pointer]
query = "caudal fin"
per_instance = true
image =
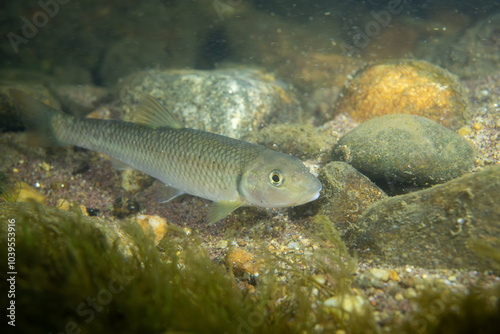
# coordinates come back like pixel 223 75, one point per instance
pixel 37 117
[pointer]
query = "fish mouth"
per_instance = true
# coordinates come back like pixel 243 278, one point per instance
pixel 309 197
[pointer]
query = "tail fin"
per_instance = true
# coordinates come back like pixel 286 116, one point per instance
pixel 37 117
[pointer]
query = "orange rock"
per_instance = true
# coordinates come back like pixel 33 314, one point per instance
pixel 27 192
pixel 405 87
pixel 153 223
pixel 242 262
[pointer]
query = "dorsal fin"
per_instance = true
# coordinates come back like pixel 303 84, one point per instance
pixel 154 115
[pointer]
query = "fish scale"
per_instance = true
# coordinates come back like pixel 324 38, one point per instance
pixel 186 159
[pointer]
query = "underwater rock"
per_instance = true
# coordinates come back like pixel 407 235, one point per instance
pixel 54 223
pixel 405 87
pixel 27 193
pixel 433 228
pixel 301 140
pixel 242 262
pixel 134 180
pixel 123 207
pixel 9 121
pixel 305 55
pixel 229 102
pixel 474 53
pixel 153 224
pixel 404 149
pixel 79 100
pixel 346 194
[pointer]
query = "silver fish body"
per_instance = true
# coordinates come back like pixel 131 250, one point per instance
pixel 230 172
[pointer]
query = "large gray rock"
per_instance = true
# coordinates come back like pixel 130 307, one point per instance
pixel 406 149
pixel 231 102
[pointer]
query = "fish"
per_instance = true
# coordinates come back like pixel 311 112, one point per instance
pixel 229 172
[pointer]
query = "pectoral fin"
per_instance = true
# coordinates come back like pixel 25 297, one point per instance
pixel 164 193
pixel 119 165
pixel 221 209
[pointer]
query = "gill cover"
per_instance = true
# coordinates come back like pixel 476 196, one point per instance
pixel 278 180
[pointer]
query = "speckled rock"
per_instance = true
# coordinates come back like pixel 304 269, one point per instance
pixel 346 194
pixel 406 150
pixel 438 227
pixel 8 113
pixel 405 87
pixel 229 102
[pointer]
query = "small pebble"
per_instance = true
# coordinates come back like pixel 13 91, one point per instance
pixel 63 204
pixel 27 192
pixel 222 244
pixel 399 296
pixel 380 274
pixel 242 262
pixel 393 276
pixel 153 223
pixel 342 306
pixel 410 293
pixel 464 131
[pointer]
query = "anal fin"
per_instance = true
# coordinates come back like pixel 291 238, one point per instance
pixel 119 165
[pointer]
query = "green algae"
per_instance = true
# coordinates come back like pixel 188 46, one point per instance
pixel 10 188
pixel 75 273
pixel 446 311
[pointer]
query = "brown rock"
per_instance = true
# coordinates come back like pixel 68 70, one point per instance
pixel 346 194
pixel 242 262
pixel 434 228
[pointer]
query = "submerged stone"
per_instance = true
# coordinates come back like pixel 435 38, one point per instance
pixel 231 102
pixel 49 219
pixel 301 140
pixel 406 87
pixel 346 194
pixel 438 227
pixel 475 52
pixel 406 149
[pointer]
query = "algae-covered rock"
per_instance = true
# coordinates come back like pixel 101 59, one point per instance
pixel 45 217
pixel 406 149
pixel 406 87
pixel 436 227
pixel 229 102
pixel 301 140
pixel 91 277
pixel 346 194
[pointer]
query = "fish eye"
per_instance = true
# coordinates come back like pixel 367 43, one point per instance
pixel 276 178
